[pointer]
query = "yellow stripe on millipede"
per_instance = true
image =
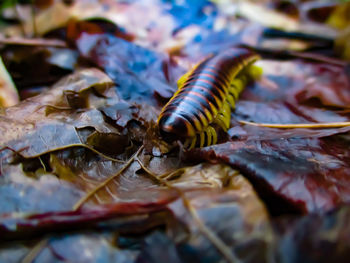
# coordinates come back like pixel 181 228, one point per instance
pixel 209 137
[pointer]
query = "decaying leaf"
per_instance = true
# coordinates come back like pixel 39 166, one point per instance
pixel 318 180
pixel 243 229
pixel 140 79
pixel 85 175
pixel 212 187
pixel 315 237
pixel 53 120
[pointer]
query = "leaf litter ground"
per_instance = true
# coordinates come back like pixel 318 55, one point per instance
pixel 83 174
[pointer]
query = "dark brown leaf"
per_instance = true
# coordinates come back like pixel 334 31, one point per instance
pixel 51 121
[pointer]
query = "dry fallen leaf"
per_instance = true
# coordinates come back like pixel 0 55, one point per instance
pixel 8 91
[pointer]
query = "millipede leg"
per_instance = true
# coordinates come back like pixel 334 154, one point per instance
pixel 209 136
pixel 205 138
pixel 231 101
pixel 193 144
pixel 227 114
pixel 236 87
pixel 224 117
pixel 213 134
pixel 220 120
pixel 244 80
pixel 188 142
pixel 202 139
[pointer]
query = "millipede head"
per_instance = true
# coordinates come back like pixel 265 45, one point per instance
pixel 172 128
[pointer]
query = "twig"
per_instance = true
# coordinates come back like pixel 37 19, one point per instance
pixel 80 145
pixel 284 54
pixel 35 251
pixel 218 243
pixel 32 42
pixel 299 125
pixel 210 235
pixel 42 163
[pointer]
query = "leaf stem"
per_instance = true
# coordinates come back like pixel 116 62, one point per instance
pixel 25 41
pixel 34 252
pixel 104 183
pixel 214 239
pixel 207 232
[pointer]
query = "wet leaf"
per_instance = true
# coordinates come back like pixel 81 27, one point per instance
pixel 51 121
pixel 316 182
pixel 315 237
pixel 29 226
pixel 138 79
pixel 196 209
pixel 18 189
pixel 212 194
pixel 85 247
pixel 85 176
pixel 302 81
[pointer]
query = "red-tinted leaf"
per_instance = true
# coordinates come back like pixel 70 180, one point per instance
pixel 330 85
pixel 315 237
pixel 28 226
pixel 309 173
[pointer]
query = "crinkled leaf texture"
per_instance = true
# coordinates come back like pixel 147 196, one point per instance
pixel 83 177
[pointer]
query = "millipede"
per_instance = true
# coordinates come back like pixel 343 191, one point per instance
pixel 205 97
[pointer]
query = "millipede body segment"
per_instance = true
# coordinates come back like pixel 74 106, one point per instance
pixel 205 96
